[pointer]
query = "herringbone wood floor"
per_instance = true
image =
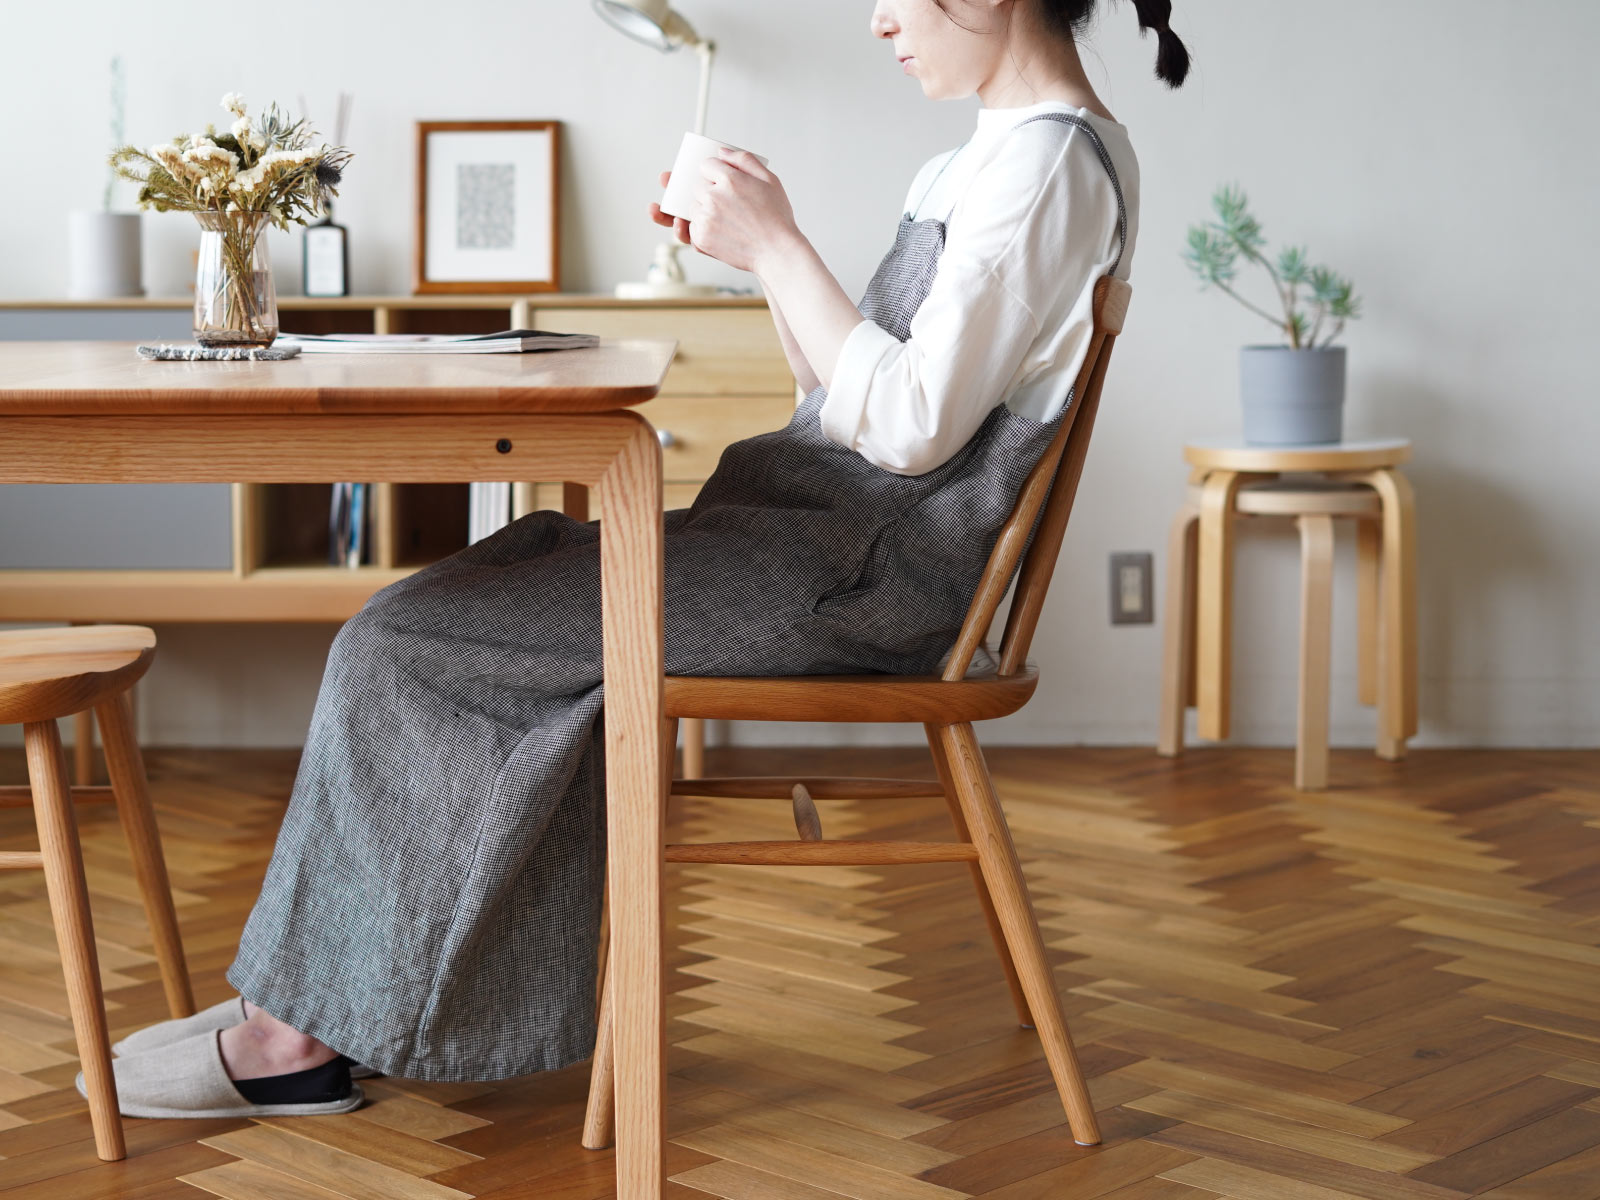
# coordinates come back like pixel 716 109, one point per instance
pixel 1387 990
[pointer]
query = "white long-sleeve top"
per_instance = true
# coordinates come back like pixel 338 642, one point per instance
pixel 1031 225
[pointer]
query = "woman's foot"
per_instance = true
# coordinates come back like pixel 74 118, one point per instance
pixel 264 1045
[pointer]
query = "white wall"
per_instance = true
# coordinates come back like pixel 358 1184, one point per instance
pixel 1438 151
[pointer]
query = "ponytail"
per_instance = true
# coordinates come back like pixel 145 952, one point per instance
pixel 1070 18
pixel 1172 56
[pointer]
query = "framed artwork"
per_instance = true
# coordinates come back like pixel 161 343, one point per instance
pixel 488 206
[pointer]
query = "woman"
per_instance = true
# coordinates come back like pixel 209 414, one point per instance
pixel 432 903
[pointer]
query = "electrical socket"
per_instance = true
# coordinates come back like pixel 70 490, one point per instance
pixel 1133 589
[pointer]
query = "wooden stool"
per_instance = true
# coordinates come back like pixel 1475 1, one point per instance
pixel 50 673
pixel 1314 504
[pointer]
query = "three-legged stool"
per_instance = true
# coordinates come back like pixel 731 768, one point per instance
pixel 50 673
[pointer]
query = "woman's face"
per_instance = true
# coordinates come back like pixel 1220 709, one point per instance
pixel 951 62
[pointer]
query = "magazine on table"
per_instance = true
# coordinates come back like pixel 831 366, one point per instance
pixel 511 341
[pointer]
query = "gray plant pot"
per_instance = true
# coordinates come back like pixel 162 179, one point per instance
pixel 1292 397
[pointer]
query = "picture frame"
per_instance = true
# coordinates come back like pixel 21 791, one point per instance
pixel 488 207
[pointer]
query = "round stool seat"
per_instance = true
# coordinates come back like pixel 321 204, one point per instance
pixel 56 672
pixel 1295 498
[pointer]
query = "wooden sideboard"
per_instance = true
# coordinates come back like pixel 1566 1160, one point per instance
pixel 730 380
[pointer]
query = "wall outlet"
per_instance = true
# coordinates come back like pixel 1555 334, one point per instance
pixel 1132 589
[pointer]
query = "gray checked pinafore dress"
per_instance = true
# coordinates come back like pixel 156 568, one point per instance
pixel 432 904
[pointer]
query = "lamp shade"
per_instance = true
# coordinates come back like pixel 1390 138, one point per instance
pixel 652 22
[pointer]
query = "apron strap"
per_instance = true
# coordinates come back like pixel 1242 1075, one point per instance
pixel 1105 161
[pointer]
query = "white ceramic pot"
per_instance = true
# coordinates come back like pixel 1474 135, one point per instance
pixel 103 255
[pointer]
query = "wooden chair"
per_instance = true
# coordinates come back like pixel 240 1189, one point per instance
pixel 945 705
pixel 50 673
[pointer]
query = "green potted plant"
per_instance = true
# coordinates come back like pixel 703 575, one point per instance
pixel 1291 394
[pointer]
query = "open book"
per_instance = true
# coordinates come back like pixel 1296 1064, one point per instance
pixel 512 341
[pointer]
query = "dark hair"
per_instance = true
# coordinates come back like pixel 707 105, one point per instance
pixel 1072 17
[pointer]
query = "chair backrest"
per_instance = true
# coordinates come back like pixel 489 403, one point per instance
pixel 1046 497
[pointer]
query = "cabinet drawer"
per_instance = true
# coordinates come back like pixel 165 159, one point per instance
pixel 696 429
pixel 721 351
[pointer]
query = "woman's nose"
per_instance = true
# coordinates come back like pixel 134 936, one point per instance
pixel 881 24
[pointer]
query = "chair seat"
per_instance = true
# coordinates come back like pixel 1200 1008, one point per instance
pixel 55 672
pixel 875 698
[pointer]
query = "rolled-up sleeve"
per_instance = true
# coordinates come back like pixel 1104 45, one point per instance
pixel 909 406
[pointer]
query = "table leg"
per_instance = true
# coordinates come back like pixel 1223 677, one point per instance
pixel 1397 660
pixel 638 775
pixel 1213 605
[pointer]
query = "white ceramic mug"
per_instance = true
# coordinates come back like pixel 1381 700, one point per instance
pixel 678 199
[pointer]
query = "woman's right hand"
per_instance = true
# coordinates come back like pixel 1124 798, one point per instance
pixel 678 225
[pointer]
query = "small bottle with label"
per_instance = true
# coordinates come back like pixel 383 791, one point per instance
pixel 326 258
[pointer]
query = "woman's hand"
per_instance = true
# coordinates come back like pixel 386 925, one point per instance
pixel 678 225
pixel 742 213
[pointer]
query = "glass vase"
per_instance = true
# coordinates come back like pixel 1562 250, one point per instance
pixel 235 302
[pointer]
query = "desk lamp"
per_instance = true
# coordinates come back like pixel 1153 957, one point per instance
pixel 654 23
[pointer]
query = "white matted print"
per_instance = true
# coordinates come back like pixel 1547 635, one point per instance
pixel 486 206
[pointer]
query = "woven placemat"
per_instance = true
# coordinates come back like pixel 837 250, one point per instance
pixel 190 352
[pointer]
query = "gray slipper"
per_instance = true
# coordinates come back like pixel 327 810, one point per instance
pixel 187 1079
pixel 224 1014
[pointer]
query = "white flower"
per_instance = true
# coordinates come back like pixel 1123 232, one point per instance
pixel 234 103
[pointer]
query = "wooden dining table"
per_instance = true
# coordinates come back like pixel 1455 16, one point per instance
pixel 94 412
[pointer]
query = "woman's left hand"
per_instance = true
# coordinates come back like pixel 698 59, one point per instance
pixel 741 211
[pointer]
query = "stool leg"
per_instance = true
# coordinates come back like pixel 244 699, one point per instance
pixel 83 748
pixel 1316 630
pixel 1002 874
pixel 997 933
pixel 1397 684
pixel 125 765
pixel 1369 545
pixel 69 910
pixel 1177 633
pixel 1213 603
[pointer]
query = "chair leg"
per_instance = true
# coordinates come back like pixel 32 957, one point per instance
pixel 1002 874
pixel 69 911
pixel 125 765
pixel 599 1118
pixel 694 748
pixel 942 764
pixel 1316 629
pixel 1177 631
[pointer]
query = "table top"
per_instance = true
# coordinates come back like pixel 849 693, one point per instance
pixel 1232 454
pixel 104 378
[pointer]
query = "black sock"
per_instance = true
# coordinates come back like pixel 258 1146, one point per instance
pixel 316 1085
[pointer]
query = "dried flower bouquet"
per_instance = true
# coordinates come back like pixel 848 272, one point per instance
pixel 263 169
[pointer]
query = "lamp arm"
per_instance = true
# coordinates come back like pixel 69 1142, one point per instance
pixel 707 51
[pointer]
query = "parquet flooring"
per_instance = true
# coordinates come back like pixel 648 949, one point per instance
pixel 1384 991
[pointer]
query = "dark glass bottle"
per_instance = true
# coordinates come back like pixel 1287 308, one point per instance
pixel 325 258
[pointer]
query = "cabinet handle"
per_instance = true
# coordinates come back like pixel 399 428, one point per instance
pixel 664 436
